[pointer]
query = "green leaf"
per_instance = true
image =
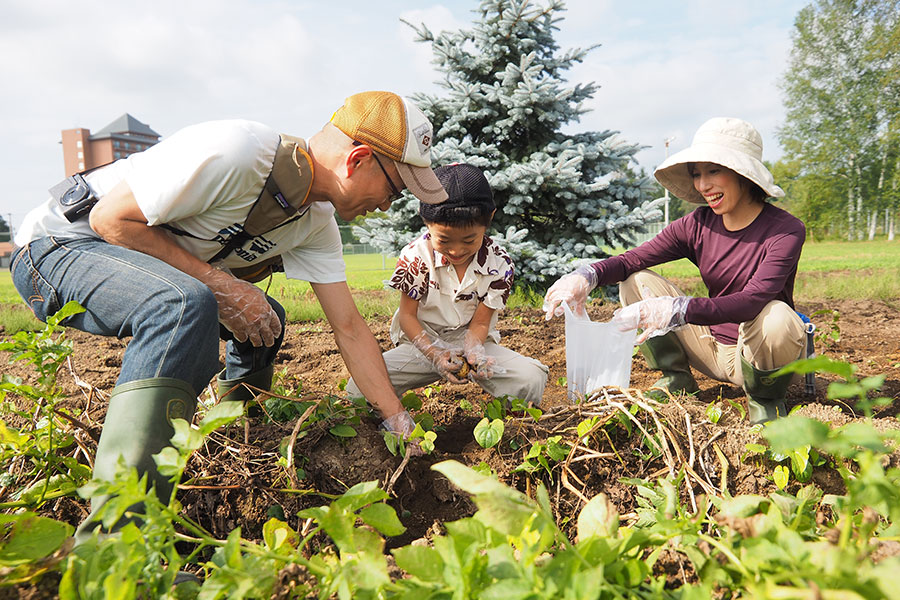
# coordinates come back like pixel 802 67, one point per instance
pixel 818 364
pixel 411 401
pixel 781 476
pixel 555 450
pixel 599 517
pixel 488 434
pixel 793 432
pixel 31 538
pixel 185 438
pixel 278 535
pixel 743 506
pixel 69 308
pixel 219 415
pixel 12 436
pixel 343 430
pixel 360 495
pixel 383 518
pixel 837 390
pixel 420 561
pixel 585 426
pixel 756 448
pixel 714 413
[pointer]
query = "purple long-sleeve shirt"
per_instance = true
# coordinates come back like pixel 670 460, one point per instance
pixel 743 270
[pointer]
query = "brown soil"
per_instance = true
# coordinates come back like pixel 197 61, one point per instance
pixel 237 481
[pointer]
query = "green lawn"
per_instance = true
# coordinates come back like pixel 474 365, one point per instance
pixel 828 270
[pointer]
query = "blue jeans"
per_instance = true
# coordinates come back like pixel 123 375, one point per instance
pixel 171 317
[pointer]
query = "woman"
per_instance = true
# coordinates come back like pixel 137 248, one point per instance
pixel 747 251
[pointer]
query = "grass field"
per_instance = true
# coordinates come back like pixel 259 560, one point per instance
pixel 828 270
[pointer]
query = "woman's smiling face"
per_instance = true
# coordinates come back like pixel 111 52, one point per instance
pixel 720 186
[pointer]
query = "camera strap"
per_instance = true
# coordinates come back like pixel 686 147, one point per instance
pixel 285 190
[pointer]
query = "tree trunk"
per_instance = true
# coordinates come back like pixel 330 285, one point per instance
pixel 851 204
pixel 859 200
pixel 873 224
pixel 889 225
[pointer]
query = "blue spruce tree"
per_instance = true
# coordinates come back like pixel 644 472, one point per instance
pixel 560 197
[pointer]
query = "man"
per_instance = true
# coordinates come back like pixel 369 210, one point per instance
pixel 139 260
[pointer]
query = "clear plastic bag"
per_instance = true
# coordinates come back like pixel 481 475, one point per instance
pixel 597 355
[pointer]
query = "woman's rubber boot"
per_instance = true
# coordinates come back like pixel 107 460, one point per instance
pixel 233 389
pixel 138 425
pixel 765 394
pixel 665 353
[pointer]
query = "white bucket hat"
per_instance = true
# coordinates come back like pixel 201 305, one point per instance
pixel 725 141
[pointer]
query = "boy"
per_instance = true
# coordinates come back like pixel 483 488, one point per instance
pixel 453 281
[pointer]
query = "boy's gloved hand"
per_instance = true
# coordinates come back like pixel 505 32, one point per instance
pixel 572 289
pixel 656 316
pixel 448 361
pixel 482 365
pixel 243 308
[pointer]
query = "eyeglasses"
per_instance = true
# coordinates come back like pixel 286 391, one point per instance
pixel 395 192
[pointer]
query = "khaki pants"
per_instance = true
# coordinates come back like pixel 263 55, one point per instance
pixel 521 377
pixel 776 337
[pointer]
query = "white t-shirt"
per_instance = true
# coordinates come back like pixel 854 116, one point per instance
pixel 445 302
pixel 203 180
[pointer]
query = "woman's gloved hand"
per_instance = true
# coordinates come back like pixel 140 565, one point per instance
pixel 243 308
pixel 572 289
pixel 656 316
pixel 446 359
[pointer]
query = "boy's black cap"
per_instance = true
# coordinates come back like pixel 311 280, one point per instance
pixel 465 185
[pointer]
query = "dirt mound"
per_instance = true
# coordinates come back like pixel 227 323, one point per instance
pixel 236 479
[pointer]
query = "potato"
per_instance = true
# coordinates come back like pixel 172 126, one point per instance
pixel 463 371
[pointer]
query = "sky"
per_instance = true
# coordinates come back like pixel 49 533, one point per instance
pixel 663 68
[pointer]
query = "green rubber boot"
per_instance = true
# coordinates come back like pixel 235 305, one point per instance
pixel 765 394
pixel 138 425
pixel 237 392
pixel 664 353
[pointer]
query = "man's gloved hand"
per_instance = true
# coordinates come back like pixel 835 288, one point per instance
pixel 447 360
pixel 402 424
pixel 656 316
pixel 482 365
pixel 572 289
pixel 243 308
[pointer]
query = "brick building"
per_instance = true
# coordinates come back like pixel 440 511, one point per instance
pixel 126 135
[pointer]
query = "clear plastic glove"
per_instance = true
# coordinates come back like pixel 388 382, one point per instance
pixel 656 316
pixel 402 424
pixel 572 289
pixel 243 308
pixel 446 359
pixel 481 365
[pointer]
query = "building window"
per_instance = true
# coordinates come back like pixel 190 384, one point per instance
pixel 81 155
pixel 81 166
pixel 116 144
pixel 127 146
pixel 118 155
pixel 78 143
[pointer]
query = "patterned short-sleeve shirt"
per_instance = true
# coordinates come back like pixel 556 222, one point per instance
pixel 445 301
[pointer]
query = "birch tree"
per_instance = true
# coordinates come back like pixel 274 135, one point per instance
pixel 841 99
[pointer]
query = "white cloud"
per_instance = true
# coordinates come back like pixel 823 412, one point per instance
pixel 663 67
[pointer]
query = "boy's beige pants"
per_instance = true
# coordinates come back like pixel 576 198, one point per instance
pixel 517 375
pixel 776 337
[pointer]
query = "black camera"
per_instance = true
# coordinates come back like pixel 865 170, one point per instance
pixel 74 196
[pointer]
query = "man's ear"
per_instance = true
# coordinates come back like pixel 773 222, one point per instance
pixel 356 157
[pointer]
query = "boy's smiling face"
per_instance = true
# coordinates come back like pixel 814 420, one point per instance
pixel 458 243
